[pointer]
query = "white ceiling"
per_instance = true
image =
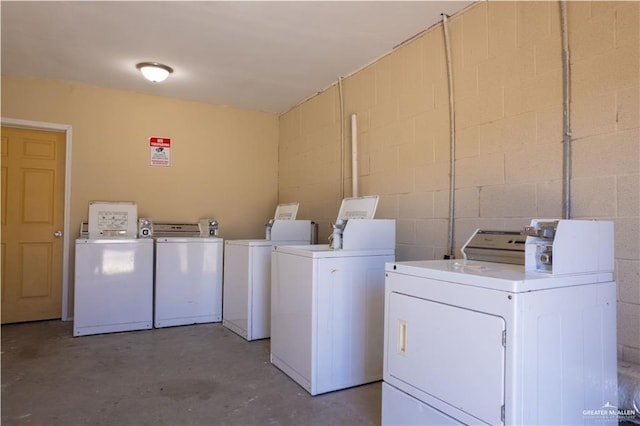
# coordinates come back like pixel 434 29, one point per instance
pixel 261 55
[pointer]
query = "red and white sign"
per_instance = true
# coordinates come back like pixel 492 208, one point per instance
pixel 159 152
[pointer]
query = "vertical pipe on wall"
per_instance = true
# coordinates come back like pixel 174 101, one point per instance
pixel 354 155
pixel 341 101
pixel 566 125
pixel 452 139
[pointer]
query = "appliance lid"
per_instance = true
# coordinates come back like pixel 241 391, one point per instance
pixel 496 246
pixel 113 219
pixel 358 208
pixel 491 275
pixel 286 211
pixel 317 251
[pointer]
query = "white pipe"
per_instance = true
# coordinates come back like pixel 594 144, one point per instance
pixel 354 155
pixel 566 125
pixel 452 137
pixel 341 101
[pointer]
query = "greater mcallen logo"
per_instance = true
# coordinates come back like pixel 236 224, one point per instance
pixel 610 410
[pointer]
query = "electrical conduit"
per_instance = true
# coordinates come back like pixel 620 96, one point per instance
pixel 341 101
pixel 566 125
pixel 452 139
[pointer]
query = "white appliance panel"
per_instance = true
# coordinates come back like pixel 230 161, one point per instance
pixel 188 284
pixel 560 353
pixel 578 247
pixel 247 288
pixel 293 231
pixel 259 302
pixel 327 317
pixel 369 234
pixel 349 309
pixel 113 286
pixel 401 409
pixel 287 211
pixel 422 330
pixel 235 305
pixel 292 293
pixel 358 207
pixel 113 219
pixel 569 354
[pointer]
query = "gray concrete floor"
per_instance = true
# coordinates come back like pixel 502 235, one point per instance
pixel 193 375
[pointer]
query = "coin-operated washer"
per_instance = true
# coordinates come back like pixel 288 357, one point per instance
pixel 522 331
pixel 188 273
pixel 113 272
pixel 246 308
pixel 327 302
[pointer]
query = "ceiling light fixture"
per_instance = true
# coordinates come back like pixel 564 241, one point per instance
pixel 154 71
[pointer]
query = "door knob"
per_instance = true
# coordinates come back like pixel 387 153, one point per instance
pixel 57 234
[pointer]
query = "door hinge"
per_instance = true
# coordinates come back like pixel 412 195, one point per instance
pixel 504 338
pixel 502 413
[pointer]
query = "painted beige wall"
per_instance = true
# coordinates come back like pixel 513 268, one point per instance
pixel 508 99
pixel 224 160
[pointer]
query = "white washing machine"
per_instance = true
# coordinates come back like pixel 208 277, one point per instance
pixel 113 272
pixel 246 307
pixel 327 305
pixel 479 342
pixel 188 275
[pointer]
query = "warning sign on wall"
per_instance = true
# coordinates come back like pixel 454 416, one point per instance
pixel 159 152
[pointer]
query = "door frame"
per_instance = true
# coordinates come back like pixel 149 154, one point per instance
pixel 66 128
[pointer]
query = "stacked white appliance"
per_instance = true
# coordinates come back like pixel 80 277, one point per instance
pixel 521 331
pixel 188 273
pixel 246 308
pixel 113 272
pixel 327 303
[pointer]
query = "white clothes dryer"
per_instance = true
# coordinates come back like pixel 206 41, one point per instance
pixel 479 342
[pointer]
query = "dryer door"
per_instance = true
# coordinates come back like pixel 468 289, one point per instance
pixel 450 353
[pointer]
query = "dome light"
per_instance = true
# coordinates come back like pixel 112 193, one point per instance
pixel 154 71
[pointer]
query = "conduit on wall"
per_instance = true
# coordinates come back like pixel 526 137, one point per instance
pixel 566 125
pixel 452 140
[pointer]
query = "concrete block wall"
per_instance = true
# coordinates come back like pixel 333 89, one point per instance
pixel 508 103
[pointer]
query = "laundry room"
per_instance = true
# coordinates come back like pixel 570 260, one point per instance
pixel 456 116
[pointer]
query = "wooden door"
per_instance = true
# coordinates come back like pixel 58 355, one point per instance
pixel 32 219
